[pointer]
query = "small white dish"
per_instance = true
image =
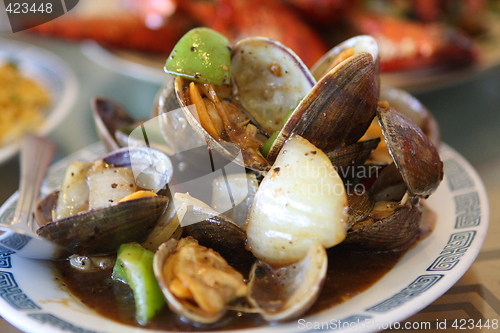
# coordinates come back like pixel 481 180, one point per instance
pixel 33 301
pixel 51 72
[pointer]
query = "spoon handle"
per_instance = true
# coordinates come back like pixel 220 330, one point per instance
pixel 36 155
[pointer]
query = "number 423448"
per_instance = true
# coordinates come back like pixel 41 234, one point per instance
pixel 462 324
pixel 25 8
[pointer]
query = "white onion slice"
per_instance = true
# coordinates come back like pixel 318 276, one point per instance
pixel 301 200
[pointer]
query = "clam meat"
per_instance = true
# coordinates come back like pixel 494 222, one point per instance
pixel 197 282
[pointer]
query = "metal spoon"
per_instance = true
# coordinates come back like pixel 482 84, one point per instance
pixel 20 236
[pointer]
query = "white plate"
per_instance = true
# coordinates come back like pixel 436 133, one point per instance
pixel 48 70
pixel 32 301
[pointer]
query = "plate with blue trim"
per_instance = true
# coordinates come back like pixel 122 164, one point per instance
pixel 32 298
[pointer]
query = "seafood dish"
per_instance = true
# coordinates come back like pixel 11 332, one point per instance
pixel 437 35
pixel 234 204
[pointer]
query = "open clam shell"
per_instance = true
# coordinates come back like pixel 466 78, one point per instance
pixel 338 109
pixel 165 275
pixel 110 119
pixel 190 312
pixel 287 292
pixel 102 231
pixel 269 80
pixel 395 231
pixel 413 109
pixel 217 232
pixel 414 154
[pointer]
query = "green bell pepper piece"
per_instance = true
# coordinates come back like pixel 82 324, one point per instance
pixel 202 55
pixel 134 266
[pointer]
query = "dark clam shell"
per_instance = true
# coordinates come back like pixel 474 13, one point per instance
pixel 414 154
pixel 360 206
pixel 110 117
pixel 102 231
pixel 389 185
pixel 338 110
pixel 218 233
pixel 44 208
pixel 413 109
pixel 353 155
pixel 283 293
pixel 390 233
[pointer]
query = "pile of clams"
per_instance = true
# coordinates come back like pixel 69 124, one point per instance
pixel 332 117
pixel 304 137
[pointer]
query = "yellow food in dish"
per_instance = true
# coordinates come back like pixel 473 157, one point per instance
pixel 21 103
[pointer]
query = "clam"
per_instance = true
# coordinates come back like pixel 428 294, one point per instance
pixel 273 93
pixel 393 201
pixel 268 80
pixel 217 232
pixel 353 155
pixel 409 106
pixel 389 226
pixel 412 108
pixel 338 109
pixel 277 293
pixel 112 123
pixel 117 129
pixel 283 293
pixel 103 228
pixel 102 231
pixel 414 154
pixel 201 299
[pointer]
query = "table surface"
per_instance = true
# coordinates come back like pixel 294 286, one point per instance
pixel 467 111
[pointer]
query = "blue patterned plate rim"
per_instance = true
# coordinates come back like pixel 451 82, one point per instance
pixel 33 301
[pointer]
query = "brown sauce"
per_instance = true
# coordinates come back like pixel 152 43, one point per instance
pixel 349 273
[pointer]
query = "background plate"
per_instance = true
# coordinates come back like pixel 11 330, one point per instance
pixel 52 73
